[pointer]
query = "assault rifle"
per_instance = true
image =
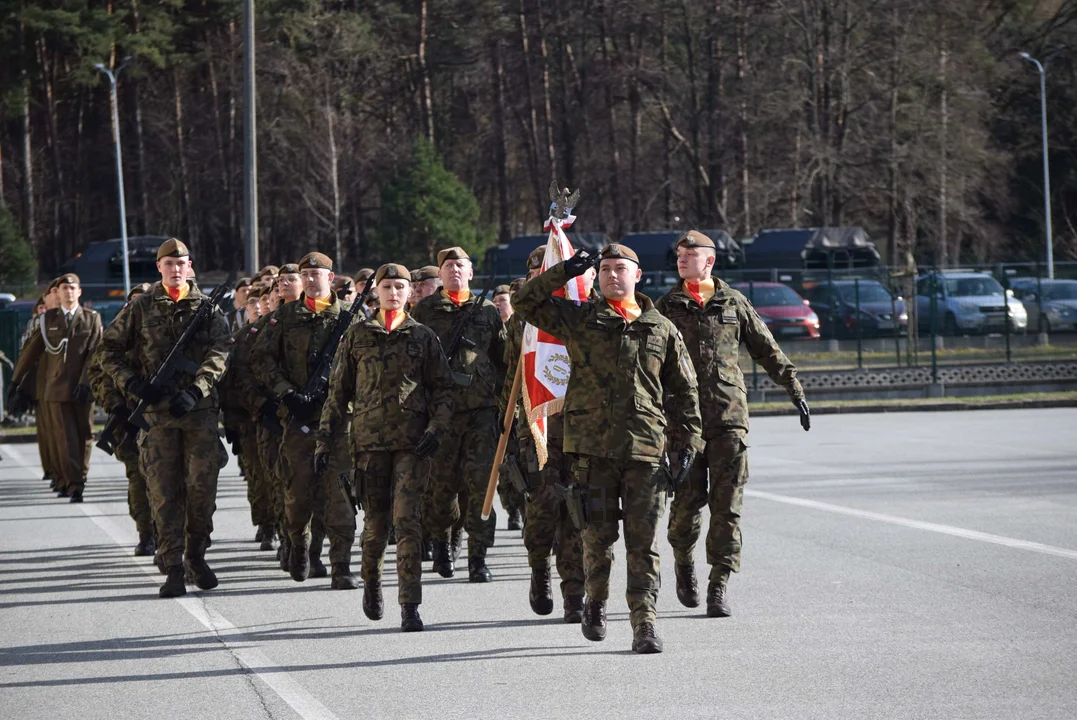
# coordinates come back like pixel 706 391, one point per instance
pixel 456 337
pixel 317 387
pixel 174 363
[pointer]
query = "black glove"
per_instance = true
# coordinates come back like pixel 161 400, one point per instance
pixel 298 404
pixel 428 445
pixel 231 436
pixel 321 463
pixel 805 416
pixel 269 407
pixel 18 401
pixel 82 394
pixel 580 263
pixel 143 389
pixel 184 401
pixel 684 466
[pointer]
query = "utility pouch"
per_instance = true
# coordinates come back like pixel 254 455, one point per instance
pixel 577 512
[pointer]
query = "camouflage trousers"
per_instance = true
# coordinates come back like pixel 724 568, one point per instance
pixel 391 485
pixel 313 507
pixel 268 457
pixel 725 460
pixel 181 460
pixel 462 464
pixel 138 499
pixel 259 483
pixel 71 441
pixel 548 528
pixel 632 491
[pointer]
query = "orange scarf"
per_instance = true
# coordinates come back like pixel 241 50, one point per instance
pixel 179 293
pixel 316 305
pixel 628 309
pixel 391 319
pixel 458 298
pixel 701 292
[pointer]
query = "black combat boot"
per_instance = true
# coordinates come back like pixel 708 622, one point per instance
pixel 427 550
pixel 477 572
pixel 574 609
pixel 392 535
pixel 63 492
pixel 198 571
pixel 443 564
pixel 716 601
pixel 594 620
pixel 515 521
pixel 269 537
pixel 541 595
pixel 259 533
pixel 645 640
pixel 299 562
pixel 687 585
pixel 343 578
pixel 146 545
pixel 160 563
pixel 457 542
pixel 52 484
pixel 373 603
pixel 76 495
pixel 409 618
pixel 317 567
pixel 284 553
pixel 173 586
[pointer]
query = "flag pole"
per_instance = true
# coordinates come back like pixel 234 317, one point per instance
pixel 502 444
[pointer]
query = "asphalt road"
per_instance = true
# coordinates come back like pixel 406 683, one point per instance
pixel 915 565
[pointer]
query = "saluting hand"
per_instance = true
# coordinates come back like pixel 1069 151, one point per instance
pixel 580 263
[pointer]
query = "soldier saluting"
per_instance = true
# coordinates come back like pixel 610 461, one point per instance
pixel 394 374
pixel 180 453
pixel 714 320
pixel 626 359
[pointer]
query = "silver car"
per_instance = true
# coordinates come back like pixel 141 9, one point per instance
pixel 1058 298
pixel 968 302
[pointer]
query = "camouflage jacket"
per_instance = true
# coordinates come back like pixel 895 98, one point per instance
pixel 64 370
pixel 713 335
pixel 284 351
pixel 620 374
pixel 137 340
pixel 485 361
pixel 514 340
pixel 398 383
pixel 245 393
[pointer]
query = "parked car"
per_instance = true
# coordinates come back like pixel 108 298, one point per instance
pixel 784 311
pixel 835 303
pixel 967 302
pixel 1058 299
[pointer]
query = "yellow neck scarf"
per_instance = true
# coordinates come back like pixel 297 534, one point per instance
pixel 391 319
pixel 628 309
pixel 701 292
pixel 316 305
pixel 179 293
pixel 458 298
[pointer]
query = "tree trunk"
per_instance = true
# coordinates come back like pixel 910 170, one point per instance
pixel 501 149
pixel 551 159
pixel 742 73
pixel 611 134
pixel 334 180
pixel 944 120
pixel 188 222
pixel 427 103
pixel 532 134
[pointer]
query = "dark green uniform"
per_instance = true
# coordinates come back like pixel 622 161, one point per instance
pixel 615 427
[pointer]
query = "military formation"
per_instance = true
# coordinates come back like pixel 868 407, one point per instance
pixel 381 399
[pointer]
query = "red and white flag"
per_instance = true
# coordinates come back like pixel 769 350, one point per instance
pixel 546 363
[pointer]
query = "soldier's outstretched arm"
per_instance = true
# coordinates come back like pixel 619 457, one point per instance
pixel 341 391
pixel 682 396
pixel 264 359
pixel 764 350
pixel 535 304
pixel 95 340
pixel 216 360
pixel 441 384
pixel 118 339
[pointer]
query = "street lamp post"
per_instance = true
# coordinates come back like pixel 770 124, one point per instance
pixel 112 75
pixel 1046 171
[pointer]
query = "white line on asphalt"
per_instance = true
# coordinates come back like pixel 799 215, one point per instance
pixel 918 524
pixel 305 705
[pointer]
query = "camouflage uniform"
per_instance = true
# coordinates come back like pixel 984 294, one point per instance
pixel 615 427
pixel 282 355
pixel 181 457
pixel 399 385
pixel 548 528
pixel 713 335
pixel 466 454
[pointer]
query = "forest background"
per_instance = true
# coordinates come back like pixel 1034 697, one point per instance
pixel 390 129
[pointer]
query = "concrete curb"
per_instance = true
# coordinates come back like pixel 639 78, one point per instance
pixel 946 405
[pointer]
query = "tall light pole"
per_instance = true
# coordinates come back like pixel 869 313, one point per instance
pixel 112 75
pixel 250 144
pixel 1046 170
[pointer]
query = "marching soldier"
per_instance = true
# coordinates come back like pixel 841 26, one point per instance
pixel 714 320
pixel 59 350
pixel 180 453
pixel 112 399
pixel 626 360
pixel 283 355
pixel 394 374
pixel 511 498
pixel 467 453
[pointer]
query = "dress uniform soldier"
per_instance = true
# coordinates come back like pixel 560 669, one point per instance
pixel 60 351
pixel 238 317
pixel 626 360
pixel 112 399
pixel 464 460
pixel 26 396
pixel 282 362
pixel 180 453
pixel 714 320
pixel 394 374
